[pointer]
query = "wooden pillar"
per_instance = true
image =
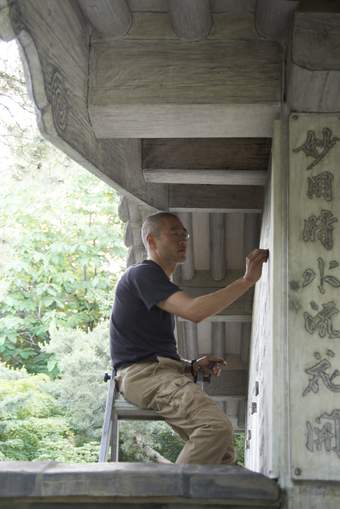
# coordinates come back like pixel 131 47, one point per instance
pixel 273 18
pixel 112 18
pixel 218 338
pixel 191 19
pixel 191 339
pixel 217 246
pixel 187 268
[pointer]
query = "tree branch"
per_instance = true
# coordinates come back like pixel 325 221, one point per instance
pixel 149 451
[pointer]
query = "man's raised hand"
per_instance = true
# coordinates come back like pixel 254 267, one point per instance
pixel 254 262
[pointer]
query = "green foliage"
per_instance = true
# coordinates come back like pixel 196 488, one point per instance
pixel 61 239
pixel 239 445
pixel 63 266
pixel 83 359
pixel 32 426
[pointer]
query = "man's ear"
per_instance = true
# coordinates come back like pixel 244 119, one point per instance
pixel 150 239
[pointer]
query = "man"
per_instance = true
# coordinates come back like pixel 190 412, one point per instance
pixel 150 373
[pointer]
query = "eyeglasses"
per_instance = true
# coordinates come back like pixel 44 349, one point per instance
pixel 180 234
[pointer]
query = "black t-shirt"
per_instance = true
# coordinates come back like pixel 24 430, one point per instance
pixel 139 328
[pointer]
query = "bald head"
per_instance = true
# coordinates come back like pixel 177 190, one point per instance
pixel 153 224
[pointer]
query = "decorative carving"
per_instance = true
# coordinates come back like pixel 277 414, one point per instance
pixel 59 102
pixel 320 186
pixel 317 148
pixel 322 321
pixel 327 435
pixel 319 372
pixel 16 18
pixel 320 228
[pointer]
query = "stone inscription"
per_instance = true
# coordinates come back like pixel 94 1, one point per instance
pixel 320 228
pixel 322 322
pixel 314 291
pixel 321 186
pixel 317 148
pixel 322 373
pixel 326 435
pixel 310 274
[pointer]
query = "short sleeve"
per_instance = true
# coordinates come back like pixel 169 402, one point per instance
pixel 152 284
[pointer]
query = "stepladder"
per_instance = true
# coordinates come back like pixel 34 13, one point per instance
pixel 117 409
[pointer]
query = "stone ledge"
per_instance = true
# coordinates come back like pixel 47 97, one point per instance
pixel 134 483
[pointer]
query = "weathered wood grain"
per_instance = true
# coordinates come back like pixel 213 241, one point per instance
pixel 54 38
pixel 109 17
pixel 234 238
pixel 173 120
pixel 169 72
pixel 252 228
pixel 245 342
pixel 217 339
pixel 313 70
pixel 313 91
pixel 216 198
pixel 174 87
pixel 316 40
pixel 217 246
pixel 148 5
pixel 206 177
pixel 191 19
pixel 230 7
pixel 190 335
pixel 273 18
pixel 200 230
pixel 188 267
pixel 233 8
pixel 244 154
pixel 157 25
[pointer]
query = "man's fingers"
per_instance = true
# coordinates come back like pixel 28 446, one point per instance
pixel 258 253
pixel 260 257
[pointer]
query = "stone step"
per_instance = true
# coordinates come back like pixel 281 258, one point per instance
pixel 28 485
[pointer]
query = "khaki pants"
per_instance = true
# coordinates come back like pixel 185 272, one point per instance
pixel 162 386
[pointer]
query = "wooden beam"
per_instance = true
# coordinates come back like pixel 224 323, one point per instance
pixel 226 316
pixel 109 17
pixel 217 339
pixel 191 19
pixel 273 18
pixel 232 8
pixel 54 38
pixel 232 154
pixel 180 89
pixel 217 246
pixel 310 48
pixel 313 71
pixel 207 177
pixel 252 229
pixel 215 198
pixel 148 5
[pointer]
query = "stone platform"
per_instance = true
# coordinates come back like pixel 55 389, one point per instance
pixel 38 485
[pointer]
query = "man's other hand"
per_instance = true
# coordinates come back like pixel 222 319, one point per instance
pixel 210 364
pixel 254 262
